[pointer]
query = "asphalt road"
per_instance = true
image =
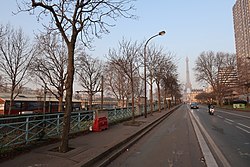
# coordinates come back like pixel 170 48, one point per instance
pixel 230 131
pixel 172 143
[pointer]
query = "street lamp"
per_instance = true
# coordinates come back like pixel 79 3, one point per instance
pixel 145 68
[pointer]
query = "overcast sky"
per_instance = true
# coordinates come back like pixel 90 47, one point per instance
pixel 192 26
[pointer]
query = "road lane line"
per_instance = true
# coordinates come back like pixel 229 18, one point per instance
pixel 221 157
pixel 235 114
pixel 229 120
pixel 209 158
pixel 243 125
pixel 242 129
pixel 219 116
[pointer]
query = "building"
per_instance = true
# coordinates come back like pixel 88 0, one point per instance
pixel 241 17
pixel 228 77
pixel 229 83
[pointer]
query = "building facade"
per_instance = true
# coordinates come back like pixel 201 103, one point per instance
pixel 229 83
pixel 241 17
pixel 228 78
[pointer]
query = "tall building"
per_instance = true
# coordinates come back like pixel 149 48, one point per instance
pixel 229 83
pixel 241 17
pixel 228 78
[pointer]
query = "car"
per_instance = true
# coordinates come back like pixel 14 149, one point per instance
pixel 194 105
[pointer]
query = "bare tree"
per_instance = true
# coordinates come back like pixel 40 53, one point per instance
pixel 74 20
pixel 169 81
pixel 215 69
pixel 16 54
pixel 205 97
pixel 3 32
pixel 1 84
pixel 90 72
pixel 50 65
pixel 164 66
pixel 116 82
pixel 126 59
pixel 138 84
pixel 171 87
pixel 154 59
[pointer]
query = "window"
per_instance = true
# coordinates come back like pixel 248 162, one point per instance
pixel 1 106
pixel 17 105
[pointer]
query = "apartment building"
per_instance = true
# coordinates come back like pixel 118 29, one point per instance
pixel 229 83
pixel 228 77
pixel 241 17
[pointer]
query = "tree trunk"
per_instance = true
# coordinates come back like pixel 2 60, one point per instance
pixel 90 101
pixel 11 98
pixel 159 97
pixel 165 100
pixel 122 101
pixel 133 99
pixel 11 102
pixel 218 99
pixel 60 104
pixel 69 93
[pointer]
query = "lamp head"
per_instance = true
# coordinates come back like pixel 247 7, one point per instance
pixel 162 33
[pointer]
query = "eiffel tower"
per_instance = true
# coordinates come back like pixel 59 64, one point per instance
pixel 188 85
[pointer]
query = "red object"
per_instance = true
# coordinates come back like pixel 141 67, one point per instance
pixel 100 124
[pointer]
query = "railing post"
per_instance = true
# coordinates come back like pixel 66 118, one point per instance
pixel 58 124
pixel 27 130
pixel 79 120
pixel 115 113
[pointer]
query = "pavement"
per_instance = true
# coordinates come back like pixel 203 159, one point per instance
pixel 85 147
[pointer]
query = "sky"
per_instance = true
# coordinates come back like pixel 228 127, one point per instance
pixel 192 26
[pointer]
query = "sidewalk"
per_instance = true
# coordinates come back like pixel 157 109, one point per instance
pixel 86 147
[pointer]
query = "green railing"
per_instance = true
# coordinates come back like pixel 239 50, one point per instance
pixel 27 128
pixel 24 129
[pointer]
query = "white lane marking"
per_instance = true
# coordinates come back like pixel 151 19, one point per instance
pixel 211 142
pixel 219 116
pixel 229 120
pixel 243 125
pixel 209 158
pixel 234 114
pixel 242 129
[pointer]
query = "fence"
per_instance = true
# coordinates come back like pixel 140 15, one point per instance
pixel 24 129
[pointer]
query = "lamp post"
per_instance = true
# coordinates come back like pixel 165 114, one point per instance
pixel 145 70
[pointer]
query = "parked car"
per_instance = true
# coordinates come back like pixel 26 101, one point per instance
pixel 194 105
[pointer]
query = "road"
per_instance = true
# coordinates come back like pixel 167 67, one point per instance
pixel 191 136
pixel 230 131
pixel 172 143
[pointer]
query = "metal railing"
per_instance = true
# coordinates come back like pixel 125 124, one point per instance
pixel 27 128
pixel 118 115
pixel 24 129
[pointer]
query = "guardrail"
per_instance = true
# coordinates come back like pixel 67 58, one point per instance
pixel 24 129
